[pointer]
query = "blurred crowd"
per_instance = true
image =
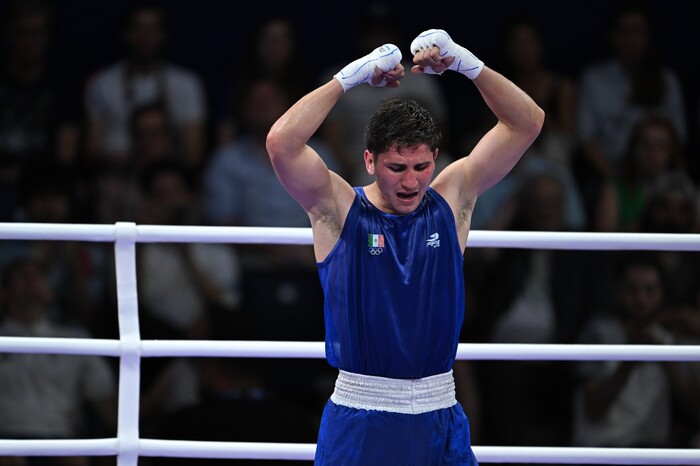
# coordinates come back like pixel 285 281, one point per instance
pixel 140 141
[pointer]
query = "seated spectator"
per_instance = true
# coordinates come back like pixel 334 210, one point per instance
pixel 653 150
pixel 683 321
pixel 77 271
pixel 272 52
pixel 153 137
pixel 144 76
pixel 531 296
pixel 672 207
pixel 552 151
pixel 180 285
pixel 618 92
pixel 39 110
pixel 279 283
pixel 44 396
pixel 184 289
pixel 554 93
pixel 114 184
pixel 626 403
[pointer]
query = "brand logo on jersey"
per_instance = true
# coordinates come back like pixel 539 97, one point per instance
pixel 433 240
pixel 375 244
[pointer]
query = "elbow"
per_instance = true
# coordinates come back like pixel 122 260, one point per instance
pixel 537 121
pixel 274 143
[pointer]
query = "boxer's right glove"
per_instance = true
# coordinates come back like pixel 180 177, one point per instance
pixel 465 62
pixel 362 70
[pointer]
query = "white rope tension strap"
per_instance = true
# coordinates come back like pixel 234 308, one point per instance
pixel 128 446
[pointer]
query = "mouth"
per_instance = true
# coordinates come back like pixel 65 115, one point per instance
pixel 407 196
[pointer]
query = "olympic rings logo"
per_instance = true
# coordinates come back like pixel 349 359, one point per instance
pixel 375 251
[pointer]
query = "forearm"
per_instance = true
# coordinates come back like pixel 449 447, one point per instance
pixel 600 395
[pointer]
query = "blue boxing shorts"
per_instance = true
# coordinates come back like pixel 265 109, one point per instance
pixel 379 421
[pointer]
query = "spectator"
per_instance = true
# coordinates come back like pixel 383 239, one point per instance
pixel 554 93
pixel 144 76
pixel 153 136
pixel 552 150
pixel 184 289
pixel 672 207
pixel 271 53
pixel 114 186
pixel 75 270
pixel 653 149
pixel 626 403
pixel 532 296
pixel 684 322
pixel 279 282
pixel 43 396
pixel 182 284
pixel 620 91
pixel 240 185
pixel 39 111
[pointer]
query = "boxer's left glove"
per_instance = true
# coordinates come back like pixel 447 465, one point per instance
pixel 465 62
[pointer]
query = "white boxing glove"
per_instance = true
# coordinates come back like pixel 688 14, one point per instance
pixel 465 62
pixel 362 70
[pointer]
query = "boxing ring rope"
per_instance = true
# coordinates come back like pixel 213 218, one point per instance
pixel 128 446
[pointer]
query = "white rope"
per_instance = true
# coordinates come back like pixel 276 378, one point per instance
pixel 130 348
pixel 316 350
pixel 266 235
pixel 91 447
pixel 305 451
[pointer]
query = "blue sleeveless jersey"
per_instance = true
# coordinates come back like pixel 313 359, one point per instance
pixel 394 291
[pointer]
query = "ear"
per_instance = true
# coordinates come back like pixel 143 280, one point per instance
pixel 369 163
pixel 436 153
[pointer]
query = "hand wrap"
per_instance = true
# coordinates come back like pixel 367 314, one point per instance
pixel 362 70
pixel 465 62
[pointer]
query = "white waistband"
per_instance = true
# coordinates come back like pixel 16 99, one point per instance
pixel 405 396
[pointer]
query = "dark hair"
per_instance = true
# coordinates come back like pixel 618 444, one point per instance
pixel 630 170
pixel 20 9
pixel 167 167
pixel 140 6
pixel 648 87
pixel 399 124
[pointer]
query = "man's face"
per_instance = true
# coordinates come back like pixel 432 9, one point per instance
pixel 29 38
pixel 640 292
pixel 402 176
pixel 145 35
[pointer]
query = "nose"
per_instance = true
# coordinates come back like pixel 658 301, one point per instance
pixel 409 180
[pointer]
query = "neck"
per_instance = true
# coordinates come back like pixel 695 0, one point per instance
pixel 144 65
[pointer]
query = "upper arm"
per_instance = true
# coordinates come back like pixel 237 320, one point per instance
pixel 492 158
pixel 324 195
pixel 305 176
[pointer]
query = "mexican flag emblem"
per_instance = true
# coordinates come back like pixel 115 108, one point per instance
pixel 375 241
